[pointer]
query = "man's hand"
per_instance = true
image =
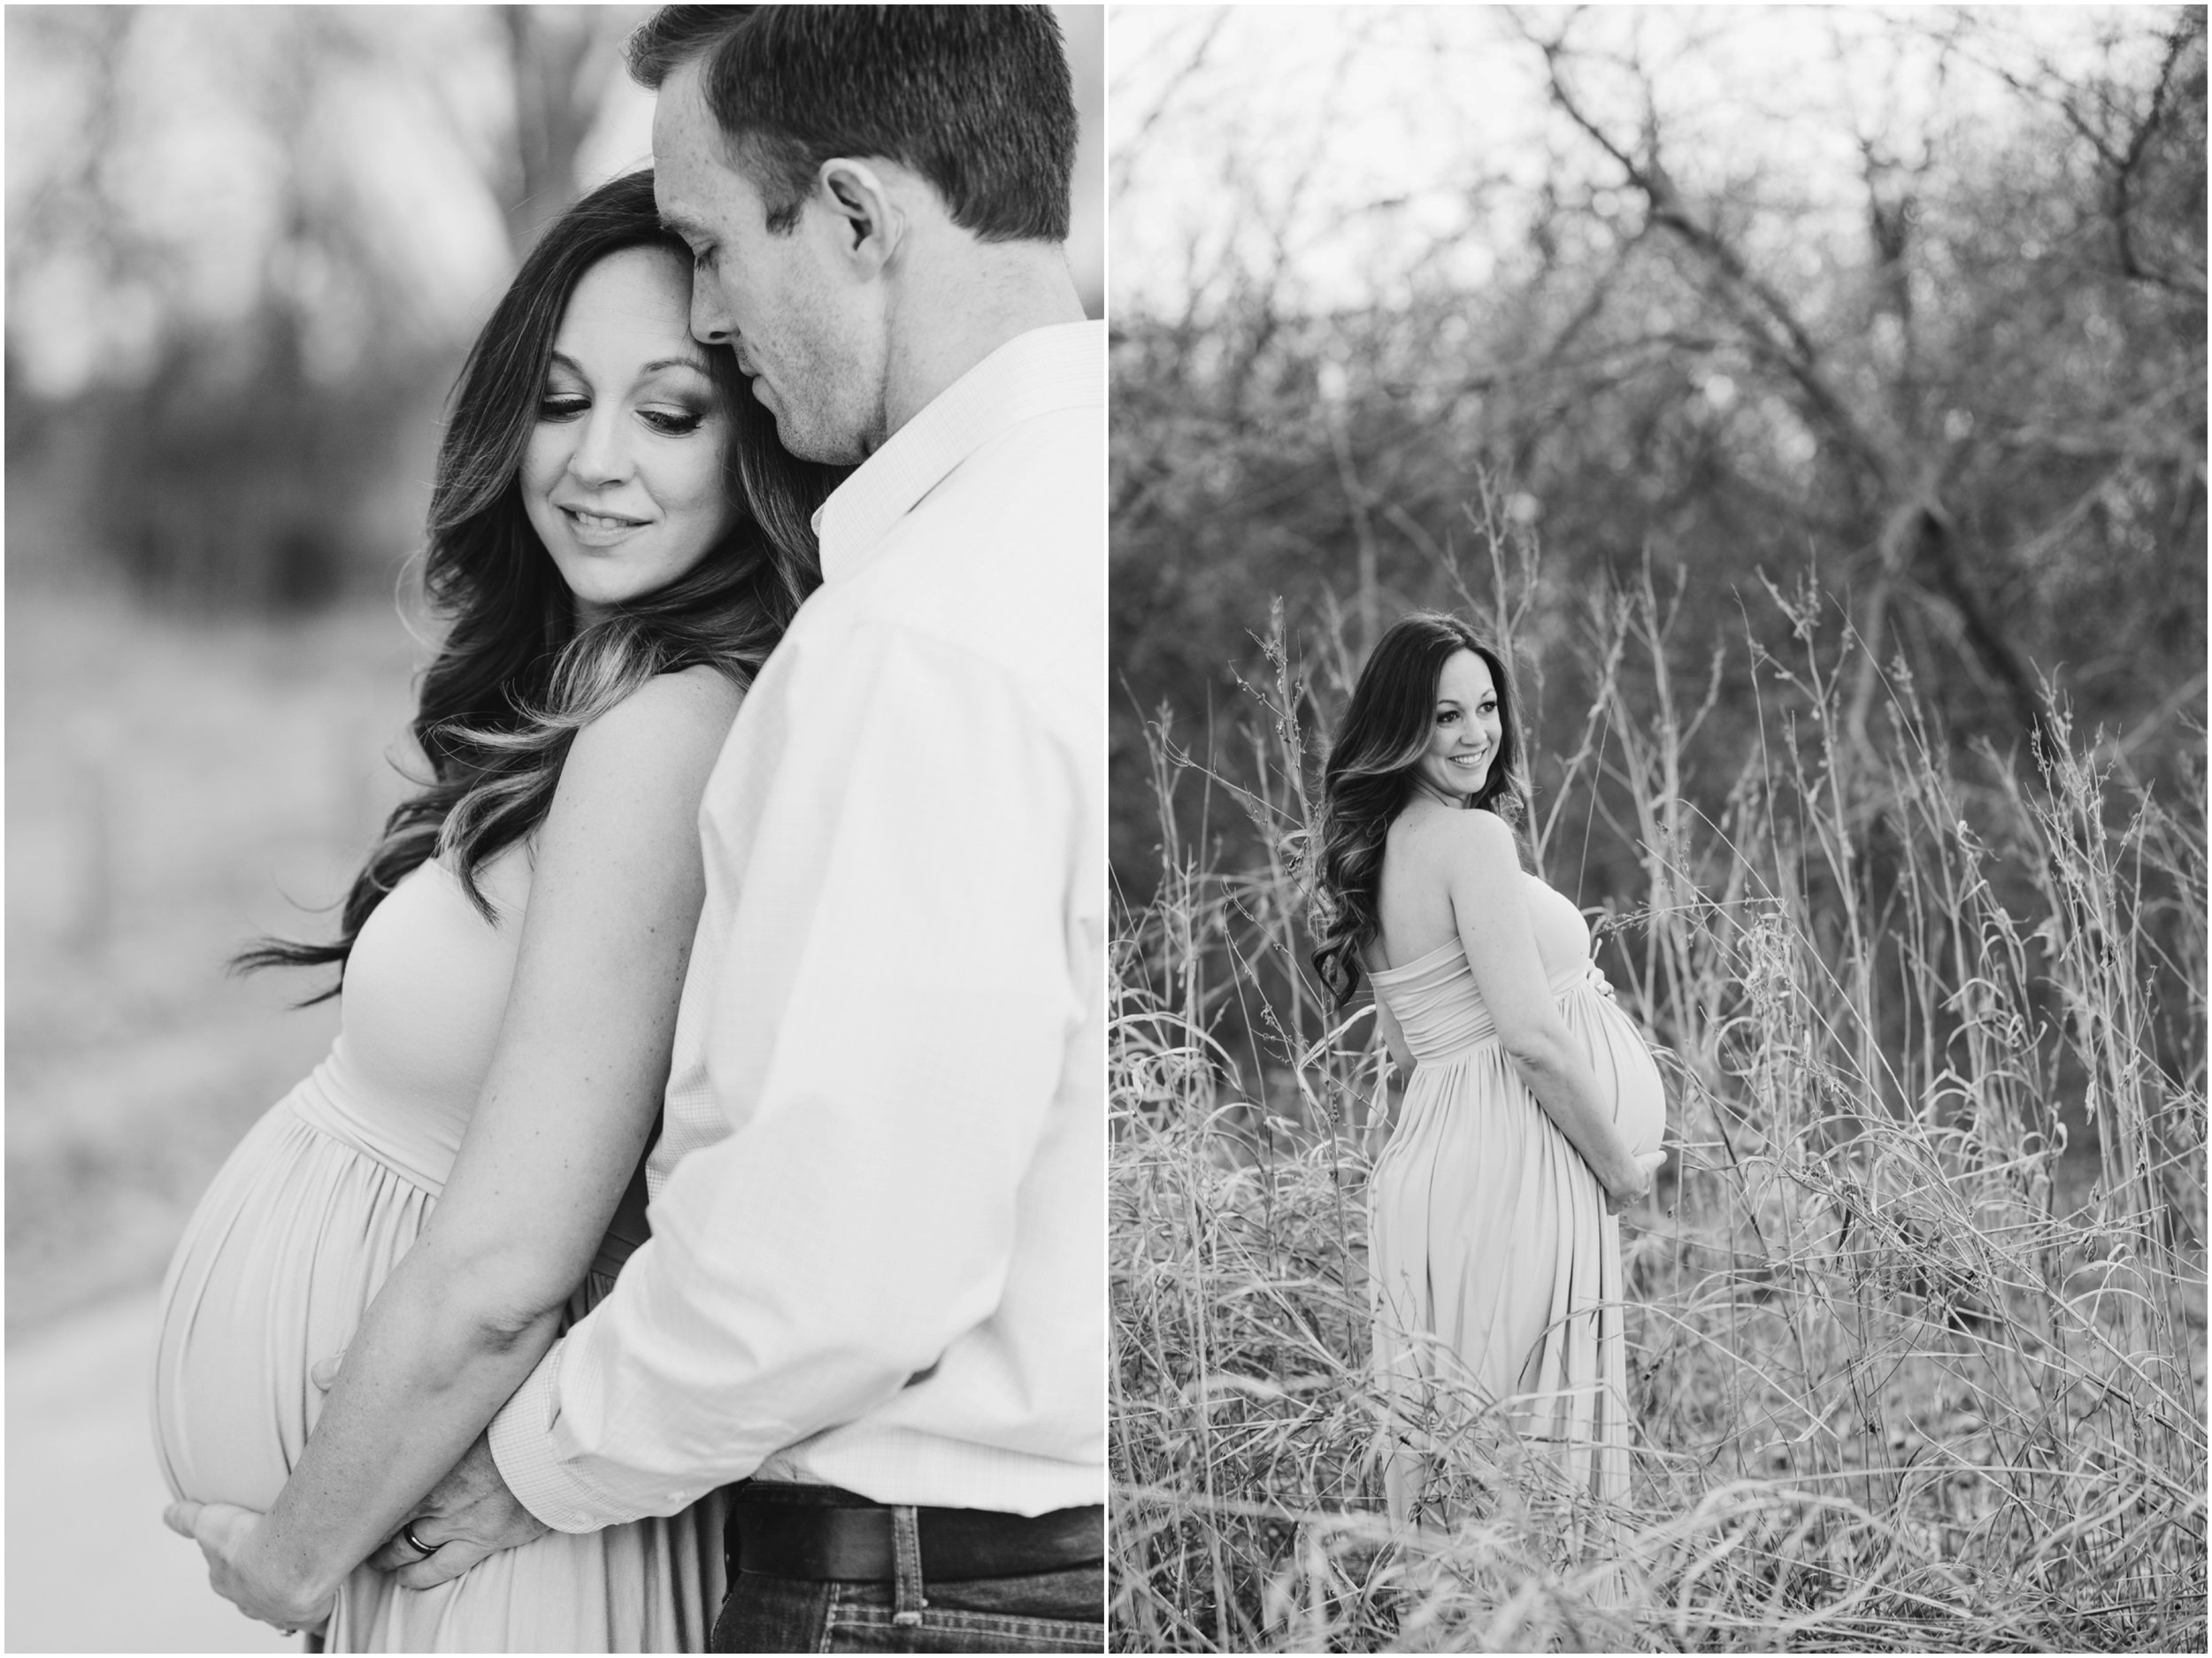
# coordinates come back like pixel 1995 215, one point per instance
pixel 240 1568
pixel 470 1515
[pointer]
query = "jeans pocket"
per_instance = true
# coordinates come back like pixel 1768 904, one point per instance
pixel 869 1629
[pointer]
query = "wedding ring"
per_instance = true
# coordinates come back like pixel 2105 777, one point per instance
pixel 407 1536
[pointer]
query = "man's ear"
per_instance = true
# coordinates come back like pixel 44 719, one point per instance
pixel 856 193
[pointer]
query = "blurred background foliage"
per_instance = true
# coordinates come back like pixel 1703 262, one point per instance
pixel 1908 303
pixel 246 250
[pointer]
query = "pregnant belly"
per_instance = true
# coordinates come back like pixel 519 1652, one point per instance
pixel 1625 1072
pixel 274 1271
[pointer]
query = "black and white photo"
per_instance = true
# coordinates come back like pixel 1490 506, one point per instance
pixel 693 1237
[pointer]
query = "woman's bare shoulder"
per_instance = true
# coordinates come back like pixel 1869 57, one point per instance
pixel 1479 841
pixel 698 695
pixel 1439 834
pixel 671 712
pixel 663 737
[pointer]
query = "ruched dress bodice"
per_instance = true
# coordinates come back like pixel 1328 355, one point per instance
pixel 1496 1270
pixel 425 991
pixel 303 1224
pixel 423 994
pixel 1441 1013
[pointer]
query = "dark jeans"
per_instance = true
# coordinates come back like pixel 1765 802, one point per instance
pixel 1043 1612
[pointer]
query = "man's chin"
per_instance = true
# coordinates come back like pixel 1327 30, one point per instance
pixel 812 444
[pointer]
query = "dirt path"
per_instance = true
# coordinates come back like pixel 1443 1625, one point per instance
pixel 91 1567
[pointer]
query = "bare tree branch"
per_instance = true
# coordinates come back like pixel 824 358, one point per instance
pixel 1758 306
pixel 1126 155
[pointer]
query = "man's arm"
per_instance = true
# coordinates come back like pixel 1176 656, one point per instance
pixel 887 1032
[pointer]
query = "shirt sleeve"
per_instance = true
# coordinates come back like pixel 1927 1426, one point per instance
pixel 895 838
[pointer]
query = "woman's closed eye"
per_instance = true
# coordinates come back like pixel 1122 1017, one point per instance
pixel 675 423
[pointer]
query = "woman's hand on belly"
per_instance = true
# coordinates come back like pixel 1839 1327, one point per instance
pixel 245 1572
pixel 1619 1203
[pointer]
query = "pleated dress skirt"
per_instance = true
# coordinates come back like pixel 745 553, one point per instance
pixel 290 1244
pixel 1496 1271
pixel 298 1231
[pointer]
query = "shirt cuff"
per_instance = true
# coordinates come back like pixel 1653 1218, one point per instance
pixel 521 1437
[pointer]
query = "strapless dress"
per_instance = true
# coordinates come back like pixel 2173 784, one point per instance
pixel 1495 1270
pixel 303 1224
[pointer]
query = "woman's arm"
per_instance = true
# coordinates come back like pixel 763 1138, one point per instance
pixel 1483 874
pixel 1389 1097
pixel 1393 1038
pixel 573 1091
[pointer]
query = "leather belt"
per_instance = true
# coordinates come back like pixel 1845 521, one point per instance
pixel 852 1543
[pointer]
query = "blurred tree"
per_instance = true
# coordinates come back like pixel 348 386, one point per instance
pixel 1972 401
pixel 245 249
pixel 1893 389
pixel 562 58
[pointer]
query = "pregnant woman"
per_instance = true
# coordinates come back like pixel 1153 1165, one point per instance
pixel 617 541
pixel 1533 1112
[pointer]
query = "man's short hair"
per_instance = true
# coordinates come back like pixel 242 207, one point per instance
pixel 976 99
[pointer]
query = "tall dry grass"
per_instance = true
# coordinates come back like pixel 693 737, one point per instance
pixel 1917 1318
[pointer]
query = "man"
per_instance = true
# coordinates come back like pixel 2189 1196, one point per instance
pixel 875 1290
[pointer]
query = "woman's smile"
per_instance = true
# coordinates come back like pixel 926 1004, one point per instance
pixel 600 529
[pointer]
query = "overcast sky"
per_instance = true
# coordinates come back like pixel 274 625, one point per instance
pixel 1349 141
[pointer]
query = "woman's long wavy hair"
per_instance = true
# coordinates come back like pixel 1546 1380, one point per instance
pixel 516 678
pixel 1370 777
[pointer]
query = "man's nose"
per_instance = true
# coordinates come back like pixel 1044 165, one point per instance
pixel 710 317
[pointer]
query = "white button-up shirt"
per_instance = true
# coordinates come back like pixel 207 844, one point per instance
pixel 877 1257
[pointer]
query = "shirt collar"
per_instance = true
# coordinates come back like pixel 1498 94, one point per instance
pixel 1063 366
